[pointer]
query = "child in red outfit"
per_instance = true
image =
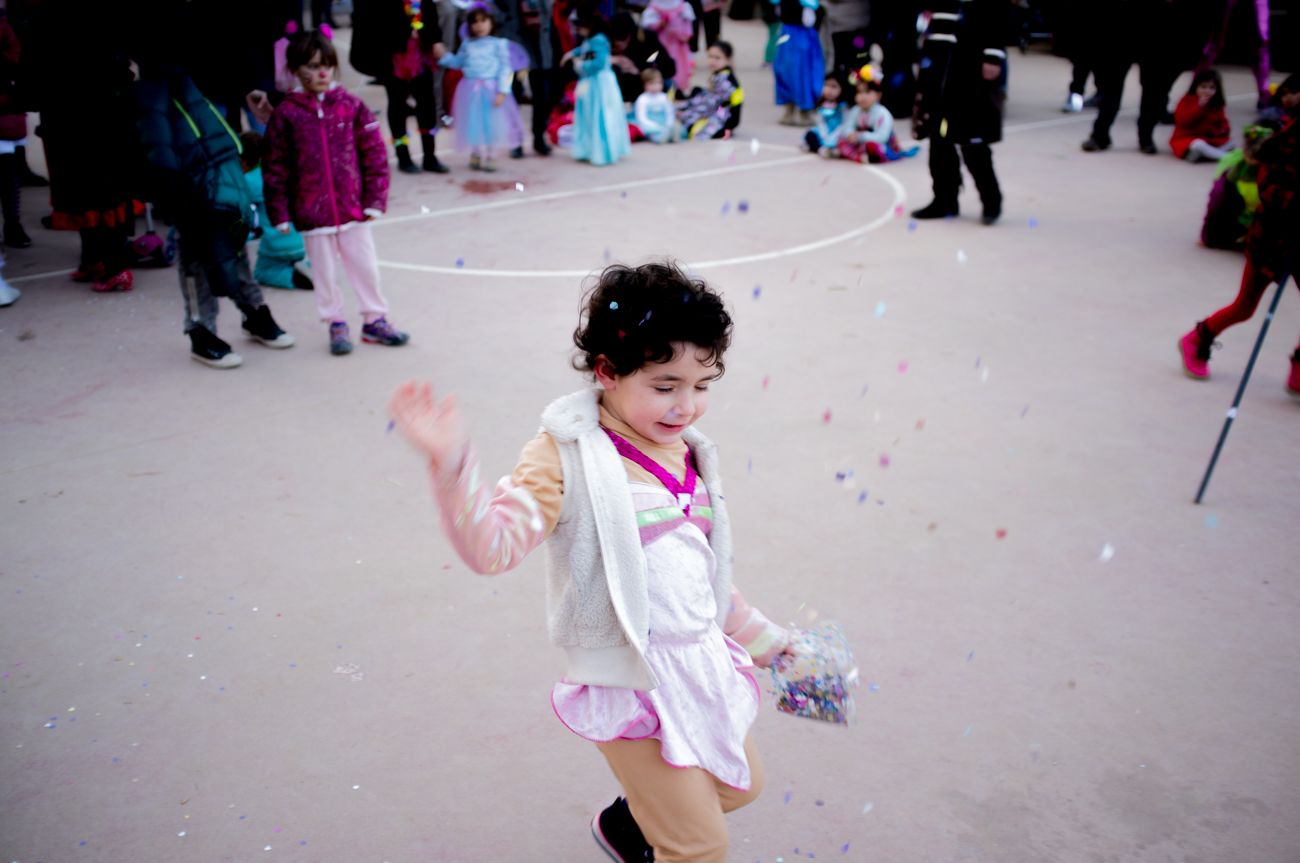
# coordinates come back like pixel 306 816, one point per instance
pixel 1201 129
pixel 1270 244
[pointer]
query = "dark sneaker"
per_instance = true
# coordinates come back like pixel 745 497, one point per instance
pixel 1092 145
pixel 206 348
pixel 432 165
pixel 1148 147
pixel 340 344
pixel 517 152
pixel 261 327
pixel 935 210
pixel 381 332
pixel 541 147
pixel 300 279
pixel 617 834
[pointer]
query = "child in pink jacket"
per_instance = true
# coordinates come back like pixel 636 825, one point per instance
pixel 326 173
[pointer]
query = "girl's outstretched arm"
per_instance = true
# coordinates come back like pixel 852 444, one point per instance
pixel 492 528
pixel 760 637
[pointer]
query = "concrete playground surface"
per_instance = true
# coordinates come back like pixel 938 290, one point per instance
pixel 231 630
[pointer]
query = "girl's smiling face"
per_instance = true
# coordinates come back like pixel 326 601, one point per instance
pixel 315 76
pixel 1205 91
pixel 717 61
pixel 480 25
pixel 660 401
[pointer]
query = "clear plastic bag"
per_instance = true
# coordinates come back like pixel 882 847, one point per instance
pixel 817 682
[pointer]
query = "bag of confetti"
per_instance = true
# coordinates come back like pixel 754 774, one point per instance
pixel 817 682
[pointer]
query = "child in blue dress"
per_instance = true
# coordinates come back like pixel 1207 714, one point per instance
pixel 484 110
pixel 824 139
pixel 600 133
pixel 799 64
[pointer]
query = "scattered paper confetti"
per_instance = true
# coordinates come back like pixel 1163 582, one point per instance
pixel 862 497
pixel 519 187
pixel 758 289
pixel 1033 223
pixel 424 211
pixel 784 38
pixel 984 375
pixel 753 146
pixel 1107 552
pixel 902 367
pixel 970 656
pixel 920 425
pixel 1211 521
pixel 899 210
pixel 392 424
pixel 726 207
pixel 1024 411
pixel 749 465
pixel 766 381
pixel 967 732
pixel 867 807
pixel 961 256
pixel 826 417
pixel 1002 533
pixel 788 795
pixel 460 262
pixel 911 226
pixel 880 309
pixel 884 460
pixel 874 687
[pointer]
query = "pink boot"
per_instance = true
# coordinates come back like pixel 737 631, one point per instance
pixel 1195 351
pixel 1293 380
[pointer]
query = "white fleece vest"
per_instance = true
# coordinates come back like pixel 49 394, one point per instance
pixel 597 605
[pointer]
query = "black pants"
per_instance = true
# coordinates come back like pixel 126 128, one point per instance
pixel 711 22
pixel 1156 75
pixel 400 93
pixel 545 85
pixel 945 172
pixel 10 191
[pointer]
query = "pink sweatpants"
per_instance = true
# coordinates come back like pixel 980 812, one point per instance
pixel 355 249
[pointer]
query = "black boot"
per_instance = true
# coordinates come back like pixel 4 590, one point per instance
pixel 936 209
pixel 404 163
pixel 300 280
pixel 617 834
pixel 261 327
pixel 431 162
pixel 540 146
pixel 15 237
pixel 206 348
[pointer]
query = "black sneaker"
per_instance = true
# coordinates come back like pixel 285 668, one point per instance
pixel 15 237
pixel 618 835
pixel 301 281
pixel 1092 145
pixel 261 327
pixel 206 348
pixel 1148 147
pixel 517 152
pixel 541 147
pixel 432 165
pixel 991 214
pixel 935 210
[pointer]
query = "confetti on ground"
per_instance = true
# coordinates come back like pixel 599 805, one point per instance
pixel 1211 521
pixel 880 309
pixel 622 194
pixel 794 274
pixel 884 460
pixel 920 425
pixel 758 289
pixel 845 849
pixel 867 807
pixel 753 146
pixel 726 207
pixel 984 375
pixel 961 256
pixel 1033 223
pixel 826 417
pixel 1002 533
pixel 424 211
pixel 934 525
pixel 460 262
pixel 26 336
pixel 874 687
pixel 967 732
pixel 788 795
pixel 742 206
pixel 392 424
pixel 862 497
pixel 902 367
pixel 749 466
pixel 865 387
pixel 1024 411
pixel 1107 552
pixel 970 656
pixel 911 226
pixel 766 381
pixel 519 187
pixel 898 210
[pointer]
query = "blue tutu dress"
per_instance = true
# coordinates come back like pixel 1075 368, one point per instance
pixel 489 69
pixel 800 67
pixel 600 133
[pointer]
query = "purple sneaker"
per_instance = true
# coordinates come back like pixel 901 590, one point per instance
pixel 340 344
pixel 381 332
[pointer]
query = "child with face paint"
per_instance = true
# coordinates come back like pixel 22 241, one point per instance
pixel 661 648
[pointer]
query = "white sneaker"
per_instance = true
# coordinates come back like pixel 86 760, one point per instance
pixel 1073 104
pixel 8 293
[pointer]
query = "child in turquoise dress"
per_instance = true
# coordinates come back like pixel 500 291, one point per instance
pixel 600 134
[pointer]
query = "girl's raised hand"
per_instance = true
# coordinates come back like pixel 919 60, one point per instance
pixel 431 425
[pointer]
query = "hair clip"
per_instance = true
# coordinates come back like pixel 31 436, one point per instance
pixel 648 313
pixel 291 27
pixel 327 31
pixel 613 307
pixel 621 334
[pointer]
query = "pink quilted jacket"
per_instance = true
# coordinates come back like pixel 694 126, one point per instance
pixel 326 162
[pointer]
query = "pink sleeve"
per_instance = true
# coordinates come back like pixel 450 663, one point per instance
pixel 276 167
pixel 373 156
pixel 494 528
pixel 747 626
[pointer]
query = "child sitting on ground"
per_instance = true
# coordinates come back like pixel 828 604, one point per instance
pixel 868 132
pixel 655 117
pixel 1201 130
pixel 824 138
pixel 715 112
pixel 281 258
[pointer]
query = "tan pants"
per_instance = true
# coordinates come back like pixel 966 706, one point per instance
pixel 678 809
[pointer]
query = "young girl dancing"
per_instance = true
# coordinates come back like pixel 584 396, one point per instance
pixel 326 173
pixel 1201 130
pixel 639 583
pixel 484 108
pixel 600 134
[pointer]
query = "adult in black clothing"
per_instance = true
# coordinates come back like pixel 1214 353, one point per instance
pixel 531 23
pixel 382 31
pixel 892 26
pixel 631 50
pixel 1144 32
pixel 959 101
pixel 708 17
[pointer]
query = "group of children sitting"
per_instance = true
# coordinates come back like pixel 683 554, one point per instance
pixel 862 133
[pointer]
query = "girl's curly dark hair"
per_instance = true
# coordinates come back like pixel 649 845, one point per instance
pixel 634 315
